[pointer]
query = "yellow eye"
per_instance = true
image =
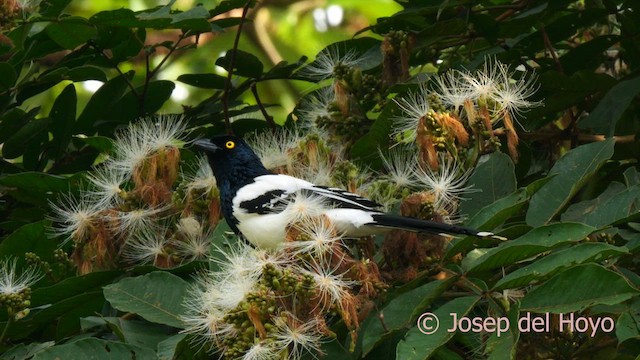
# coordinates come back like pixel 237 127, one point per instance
pixel 230 144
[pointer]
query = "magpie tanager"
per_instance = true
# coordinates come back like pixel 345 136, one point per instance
pixel 255 201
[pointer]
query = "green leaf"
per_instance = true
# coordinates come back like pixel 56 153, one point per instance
pixel 63 117
pixel 8 76
pixel 83 304
pixel 615 208
pixel 569 173
pixel 194 19
pixel 418 345
pixel 27 238
pixel 157 297
pixel 72 286
pixel 34 187
pixel 627 327
pixel 167 349
pixel 400 311
pixel 495 214
pixel 101 143
pixel 30 135
pixel 204 81
pixel 128 108
pixel 246 64
pixel 558 261
pixel 71 32
pixel 105 98
pixel 494 177
pixel 532 243
pixel 91 348
pixel 53 8
pixel 136 332
pixel 578 288
pixel 504 347
pixel 119 17
pixel 605 116
pixel 26 351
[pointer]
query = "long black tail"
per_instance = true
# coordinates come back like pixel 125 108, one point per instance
pixel 412 224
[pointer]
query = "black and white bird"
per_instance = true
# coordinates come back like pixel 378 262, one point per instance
pixel 255 202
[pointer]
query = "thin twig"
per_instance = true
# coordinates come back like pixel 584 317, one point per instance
pixel 267 117
pixel 232 64
pixel 551 49
pixel 151 73
pixel 115 66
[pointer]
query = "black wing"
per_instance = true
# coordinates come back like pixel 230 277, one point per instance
pixel 276 201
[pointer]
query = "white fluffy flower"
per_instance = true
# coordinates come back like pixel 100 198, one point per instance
pixel 318 105
pixel 106 187
pixel 297 336
pixel 322 238
pixel 75 217
pixel 146 247
pixel 400 164
pixel 511 95
pixel 453 90
pixel 203 179
pixel 13 283
pixel 327 61
pixel 448 183
pixel 273 147
pixel 140 139
pixel 414 106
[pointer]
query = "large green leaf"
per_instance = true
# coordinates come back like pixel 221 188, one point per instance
pixel 91 348
pixel 493 178
pixel 83 304
pixel 28 137
pixel 71 32
pixel 35 187
pixel 532 243
pixel 400 311
pixel 133 105
pixel 569 173
pixel 419 345
pixel 72 286
pixel 246 64
pixel 28 238
pixel 63 117
pixel 105 98
pixel 616 208
pixel 157 297
pixel 558 261
pixel 8 76
pixel 578 288
pixel 495 214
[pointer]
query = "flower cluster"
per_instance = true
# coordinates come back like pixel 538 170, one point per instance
pixel 279 303
pixel 139 207
pixel 461 111
pixel 341 108
pixel 15 289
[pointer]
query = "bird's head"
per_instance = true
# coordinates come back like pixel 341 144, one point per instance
pixel 231 158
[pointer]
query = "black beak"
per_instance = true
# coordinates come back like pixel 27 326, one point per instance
pixel 206 145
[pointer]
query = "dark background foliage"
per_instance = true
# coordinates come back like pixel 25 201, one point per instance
pixel 570 203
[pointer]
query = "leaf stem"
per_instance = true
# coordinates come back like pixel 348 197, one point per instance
pixel 6 327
